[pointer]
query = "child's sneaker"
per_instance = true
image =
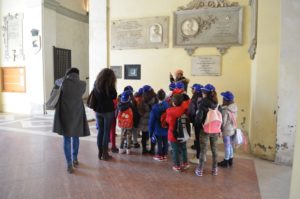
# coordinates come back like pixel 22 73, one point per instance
pixel 157 158
pixel 121 151
pixel 164 158
pixel 176 168
pixel 199 172
pixel 128 151
pixel 214 171
pixel 185 166
pixel 136 145
pixel 194 160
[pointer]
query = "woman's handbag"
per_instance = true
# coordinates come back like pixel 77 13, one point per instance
pixel 54 98
pixel 92 101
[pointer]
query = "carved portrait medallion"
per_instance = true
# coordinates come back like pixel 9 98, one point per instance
pixel 190 27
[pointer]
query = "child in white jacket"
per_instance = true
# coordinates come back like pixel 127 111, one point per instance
pixel 229 114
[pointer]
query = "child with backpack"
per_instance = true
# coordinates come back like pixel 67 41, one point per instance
pixel 158 132
pixel 196 98
pixel 126 118
pixel 178 124
pixel 229 114
pixel 210 119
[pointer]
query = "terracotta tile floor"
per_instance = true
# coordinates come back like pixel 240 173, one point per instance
pixel 32 165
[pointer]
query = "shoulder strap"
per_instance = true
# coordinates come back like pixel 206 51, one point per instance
pixel 233 119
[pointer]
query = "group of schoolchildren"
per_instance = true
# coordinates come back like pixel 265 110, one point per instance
pixel 164 119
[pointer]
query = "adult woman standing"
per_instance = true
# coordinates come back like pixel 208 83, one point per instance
pixel 70 118
pixel 105 92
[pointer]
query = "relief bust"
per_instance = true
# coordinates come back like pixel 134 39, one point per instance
pixel 190 27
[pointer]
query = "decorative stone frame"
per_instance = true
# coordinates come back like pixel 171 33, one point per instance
pixel 253 33
pixel 13 34
pixel 207 13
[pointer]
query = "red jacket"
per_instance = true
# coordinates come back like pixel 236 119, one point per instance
pixel 172 114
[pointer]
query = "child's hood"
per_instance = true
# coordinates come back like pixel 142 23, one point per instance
pixel 232 108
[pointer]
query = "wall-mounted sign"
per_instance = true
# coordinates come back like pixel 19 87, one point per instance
pixel 140 33
pixel 206 66
pixel 13 36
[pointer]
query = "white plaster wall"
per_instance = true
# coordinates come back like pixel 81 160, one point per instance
pixel 75 5
pixel 30 102
pixel 49 40
pixel 289 75
pixel 65 32
pixel 1 40
pixel 98 38
pixel 74 35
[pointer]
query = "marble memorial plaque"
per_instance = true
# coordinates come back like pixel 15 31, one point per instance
pixel 140 33
pixel 13 36
pixel 206 66
pixel 208 27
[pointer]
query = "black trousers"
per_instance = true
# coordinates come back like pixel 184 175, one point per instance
pixel 145 138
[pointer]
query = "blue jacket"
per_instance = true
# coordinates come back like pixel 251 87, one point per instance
pixel 154 124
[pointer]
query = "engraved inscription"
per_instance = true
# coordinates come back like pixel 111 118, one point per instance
pixel 206 65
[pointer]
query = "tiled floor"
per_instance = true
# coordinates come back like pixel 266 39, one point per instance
pixel 32 165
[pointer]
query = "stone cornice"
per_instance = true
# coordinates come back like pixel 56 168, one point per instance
pixel 54 5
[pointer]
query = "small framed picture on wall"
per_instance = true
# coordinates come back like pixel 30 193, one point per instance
pixel 118 71
pixel 132 71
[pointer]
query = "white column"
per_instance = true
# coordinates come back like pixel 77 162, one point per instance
pixel 289 76
pixel 98 38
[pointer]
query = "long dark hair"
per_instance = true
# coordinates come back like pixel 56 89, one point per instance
pixel 212 95
pixel 197 95
pixel 105 81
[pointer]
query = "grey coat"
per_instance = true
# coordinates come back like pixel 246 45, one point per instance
pixel 229 113
pixel 144 111
pixel 70 118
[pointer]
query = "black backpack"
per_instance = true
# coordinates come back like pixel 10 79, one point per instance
pixel 182 130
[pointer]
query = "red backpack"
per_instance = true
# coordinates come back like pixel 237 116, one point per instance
pixel 125 119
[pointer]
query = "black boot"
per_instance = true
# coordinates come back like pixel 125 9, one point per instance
pixel 230 161
pixel 105 155
pixel 152 150
pixel 100 153
pixel 224 164
pixel 144 152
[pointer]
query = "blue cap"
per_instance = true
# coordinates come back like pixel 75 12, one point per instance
pixel 125 96
pixel 228 96
pixel 179 85
pixel 146 88
pixel 172 86
pixel 197 87
pixel 140 91
pixel 128 88
pixel 208 88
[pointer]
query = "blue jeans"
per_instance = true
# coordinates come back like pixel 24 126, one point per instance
pixel 162 145
pixel 71 152
pixel 228 147
pixel 104 121
pixel 177 149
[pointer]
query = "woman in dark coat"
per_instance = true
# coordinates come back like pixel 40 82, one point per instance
pixel 144 109
pixel 70 118
pixel 105 92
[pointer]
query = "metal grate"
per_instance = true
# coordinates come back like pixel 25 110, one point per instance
pixel 62 61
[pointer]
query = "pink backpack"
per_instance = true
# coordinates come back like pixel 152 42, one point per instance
pixel 213 121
